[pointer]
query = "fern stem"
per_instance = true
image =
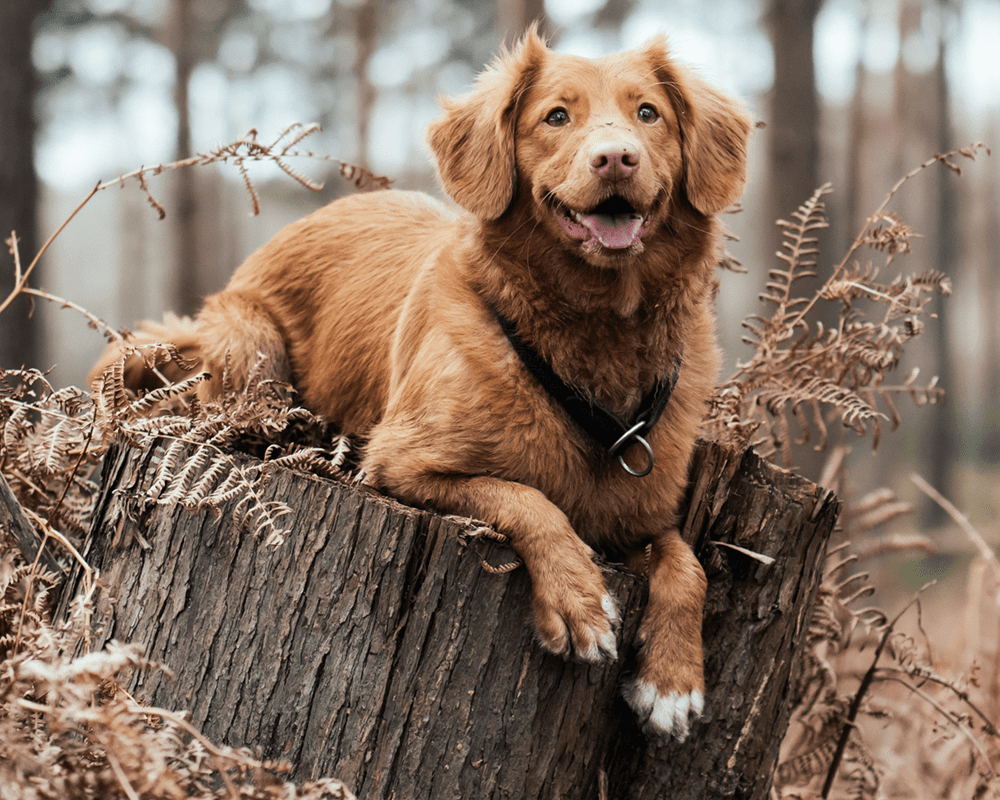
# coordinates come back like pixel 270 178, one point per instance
pixel 886 673
pixel 946 714
pixel 855 706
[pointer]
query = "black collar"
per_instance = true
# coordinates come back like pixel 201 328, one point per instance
pixel 614 434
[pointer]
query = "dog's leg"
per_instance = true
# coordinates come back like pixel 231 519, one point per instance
pixel 670 687
pixel 575 616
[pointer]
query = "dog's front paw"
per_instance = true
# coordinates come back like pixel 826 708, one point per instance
pixel 664 715
pixel 577 619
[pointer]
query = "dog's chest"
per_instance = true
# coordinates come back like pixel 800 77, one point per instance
pixel 614 362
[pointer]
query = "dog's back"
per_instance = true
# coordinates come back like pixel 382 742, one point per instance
pixel 321 298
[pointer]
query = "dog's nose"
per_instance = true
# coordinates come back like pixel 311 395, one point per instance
pixel 614 160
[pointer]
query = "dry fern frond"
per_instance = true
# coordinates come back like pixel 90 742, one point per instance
pixel 67 729
pixel 70 731
pixel 313 459
pixel 239 152
pixel 825 753
pixel 198 469
pixel 49 450
pixel 811 373
pixel 47 447
pixel 363 179
pixel 888 234
pixel 815 752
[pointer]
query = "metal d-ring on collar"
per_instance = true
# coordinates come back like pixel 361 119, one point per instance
pixel 599 422
pixel 634 436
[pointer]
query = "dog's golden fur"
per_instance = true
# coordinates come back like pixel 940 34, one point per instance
pixel 378 309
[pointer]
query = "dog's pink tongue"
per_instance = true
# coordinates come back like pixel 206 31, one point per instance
pixel 615 232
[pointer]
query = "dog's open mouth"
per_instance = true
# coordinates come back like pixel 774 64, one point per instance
pixel 614 223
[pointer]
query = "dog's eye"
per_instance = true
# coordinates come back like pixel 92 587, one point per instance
pixel 557 117
pixel 648 114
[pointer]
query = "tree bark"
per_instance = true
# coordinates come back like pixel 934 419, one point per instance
pixel 373 646
pixel 29 541
pixel 794 125
pixel 944 425
pixel 366 29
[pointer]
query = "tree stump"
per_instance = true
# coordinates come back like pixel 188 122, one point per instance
pixel 373 646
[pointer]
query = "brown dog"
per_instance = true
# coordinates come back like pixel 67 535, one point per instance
pixel 589 189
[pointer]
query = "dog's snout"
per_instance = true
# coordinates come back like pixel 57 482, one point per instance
pixel 614 160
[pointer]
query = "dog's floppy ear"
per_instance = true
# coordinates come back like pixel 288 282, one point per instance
pixel 714 131
pixel 473 141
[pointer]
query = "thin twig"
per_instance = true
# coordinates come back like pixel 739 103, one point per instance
pixel 963 521
pixel 54 534
pixel 859 239
pixel 120 775
pixel 215 752
pixel 961 694
pixel 98 323
pixel 54 515
pixel 23 280
pixel 947 714
pixel 253 151
pixel 855 706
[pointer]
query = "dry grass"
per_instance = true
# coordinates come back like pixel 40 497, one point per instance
pixel 876 716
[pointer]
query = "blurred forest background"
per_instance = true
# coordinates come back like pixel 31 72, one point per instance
pixel 852 92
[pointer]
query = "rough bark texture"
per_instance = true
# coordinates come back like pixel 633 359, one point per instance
pixel 14 521
pixel 374 647
pixel 184 217
pixel 756 616
pixel 794 124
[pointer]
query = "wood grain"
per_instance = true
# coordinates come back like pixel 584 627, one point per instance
pixel 372 645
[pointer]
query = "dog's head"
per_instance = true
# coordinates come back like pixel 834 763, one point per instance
pixel 602 147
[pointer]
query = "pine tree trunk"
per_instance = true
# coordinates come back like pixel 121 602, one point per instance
pixel 21 332
pixel 188 265
pixel 372 645
pixel 514 17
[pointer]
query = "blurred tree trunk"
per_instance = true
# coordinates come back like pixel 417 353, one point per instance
pixel 20 334
pixel 944 426
pixel 513 16
pixel 793 136
pixel 366 35
pixel 187 266
pixel 612 14
pixel 989 443
pixel 853 202
pixel 794 125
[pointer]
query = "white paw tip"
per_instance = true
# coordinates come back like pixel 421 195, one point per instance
pixel 610 609
pixel 697 703
pixel 609 644
pixel 641 696
pixel 604 647
pixel 665 715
